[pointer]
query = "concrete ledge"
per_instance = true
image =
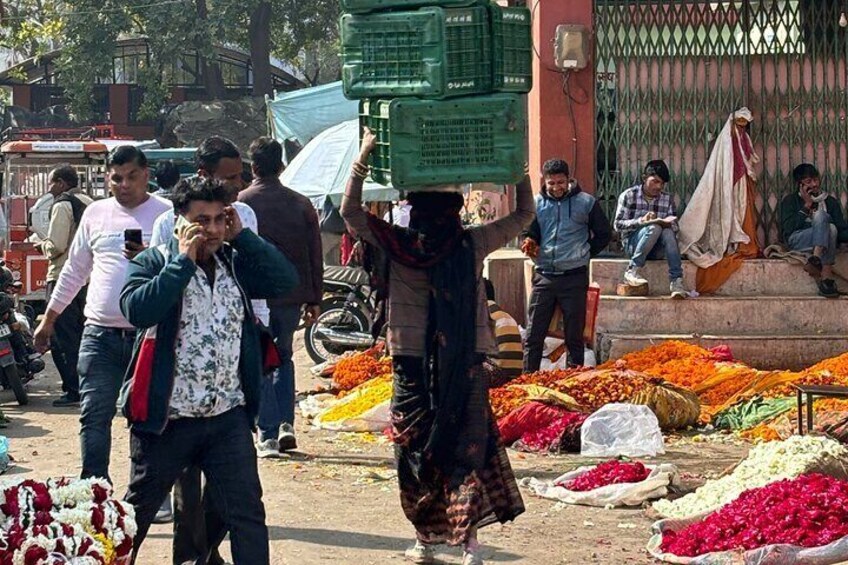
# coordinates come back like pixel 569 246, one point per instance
pixel 758 315
pixel 757 277
pixel 760 351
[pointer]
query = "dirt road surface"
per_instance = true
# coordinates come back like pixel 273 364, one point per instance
pixel 336 501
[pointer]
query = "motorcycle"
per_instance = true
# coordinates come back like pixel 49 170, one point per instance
pixel 347 313
pixel 19 362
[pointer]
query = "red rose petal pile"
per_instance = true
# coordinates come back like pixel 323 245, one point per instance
pixel 549 437
pixel 609 473
pixel 809 511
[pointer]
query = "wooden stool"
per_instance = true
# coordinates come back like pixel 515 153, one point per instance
pixel 811 391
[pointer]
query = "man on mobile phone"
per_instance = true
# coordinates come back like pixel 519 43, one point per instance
pixel 811 221
pixel 647 222
pixel 100 252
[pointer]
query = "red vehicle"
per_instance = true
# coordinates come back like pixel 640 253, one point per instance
pixel 26 201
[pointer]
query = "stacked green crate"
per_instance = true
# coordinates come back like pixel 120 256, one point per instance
pixel 431 53
pixel 479 52
pixel 431 142
pixel 366 6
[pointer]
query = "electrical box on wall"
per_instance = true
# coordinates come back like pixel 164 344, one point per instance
pixel 571 47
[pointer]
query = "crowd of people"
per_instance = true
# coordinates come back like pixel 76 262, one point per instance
pixel 180 306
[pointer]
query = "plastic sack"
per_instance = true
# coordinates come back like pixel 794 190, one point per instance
pixel 622 430
pixel 624 494
pixel 675 407
pixel 776 554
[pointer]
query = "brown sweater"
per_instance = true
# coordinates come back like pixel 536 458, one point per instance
pixel 409 288
pixel 289 221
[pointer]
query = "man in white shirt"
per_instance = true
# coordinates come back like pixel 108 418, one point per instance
pixel 107 238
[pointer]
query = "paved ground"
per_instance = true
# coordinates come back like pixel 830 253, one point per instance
pixel 336 500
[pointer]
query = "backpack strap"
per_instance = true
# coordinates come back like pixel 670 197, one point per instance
pixel 77 205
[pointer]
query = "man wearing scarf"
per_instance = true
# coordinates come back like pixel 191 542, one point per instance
pixel 811 221
pixel 453 471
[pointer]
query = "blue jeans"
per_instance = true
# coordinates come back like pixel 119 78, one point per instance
pixel 641 245
pixel 822 234
pixel 276 405
pixel 104 356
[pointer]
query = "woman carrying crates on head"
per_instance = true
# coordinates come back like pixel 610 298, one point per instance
pixel 453 471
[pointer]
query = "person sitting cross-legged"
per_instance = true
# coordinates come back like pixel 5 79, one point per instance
pixel 647 222
pixel 811 221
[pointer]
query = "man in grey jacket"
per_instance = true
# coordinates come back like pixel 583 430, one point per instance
pixel 570 228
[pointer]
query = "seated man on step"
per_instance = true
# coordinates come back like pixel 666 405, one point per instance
pixel 811 221
pixel 647 222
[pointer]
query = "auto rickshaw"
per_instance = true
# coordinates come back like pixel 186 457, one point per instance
pixel 26 200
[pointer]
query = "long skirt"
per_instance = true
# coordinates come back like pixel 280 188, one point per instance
pixel 447 501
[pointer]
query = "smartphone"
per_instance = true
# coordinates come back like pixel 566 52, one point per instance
pixel 133 236
pixel 180 224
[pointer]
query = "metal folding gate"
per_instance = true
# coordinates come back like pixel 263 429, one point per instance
pixel 670 72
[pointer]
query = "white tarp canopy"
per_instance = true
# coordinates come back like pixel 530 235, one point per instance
pixel 303 114
pixel 322 168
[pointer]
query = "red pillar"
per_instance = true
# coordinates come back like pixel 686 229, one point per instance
pixel 552 133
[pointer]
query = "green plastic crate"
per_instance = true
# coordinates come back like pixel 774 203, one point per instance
pixel 431 53
pixel 512 46
pixel 366 6
pixel 423 143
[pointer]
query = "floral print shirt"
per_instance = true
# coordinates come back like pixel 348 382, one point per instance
pixel 206 375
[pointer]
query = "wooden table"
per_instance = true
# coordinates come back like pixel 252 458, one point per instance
pixel 811 391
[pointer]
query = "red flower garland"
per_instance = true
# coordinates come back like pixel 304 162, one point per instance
pixel 809 511
pixel 609 473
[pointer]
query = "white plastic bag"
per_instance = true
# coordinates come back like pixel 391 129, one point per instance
pixel 624 494
pixel 627 430
pixel 776 554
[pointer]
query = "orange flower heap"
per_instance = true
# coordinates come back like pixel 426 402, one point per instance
pixel 594 389
pixel 657 355
pixel 504 400
pixel 359 368
pixel 837 366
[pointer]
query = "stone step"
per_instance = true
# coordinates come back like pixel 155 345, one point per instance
pixel 756 277
pixel 760 351
pixel 759 315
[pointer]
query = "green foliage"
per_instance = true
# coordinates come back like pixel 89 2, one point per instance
pixel 306 34
pixel 30 27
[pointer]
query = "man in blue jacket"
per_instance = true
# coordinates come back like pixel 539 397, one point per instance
pixel 570 228
pixel 192 392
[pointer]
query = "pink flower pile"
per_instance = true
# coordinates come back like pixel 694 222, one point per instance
pixel 809 511
pixel 609 473
pixel 548 437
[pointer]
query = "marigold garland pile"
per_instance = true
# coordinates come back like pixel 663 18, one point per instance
pixel 350 372
pixel 360 400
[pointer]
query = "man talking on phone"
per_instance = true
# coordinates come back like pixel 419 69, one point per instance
pixel 111 232
pixel 647 222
